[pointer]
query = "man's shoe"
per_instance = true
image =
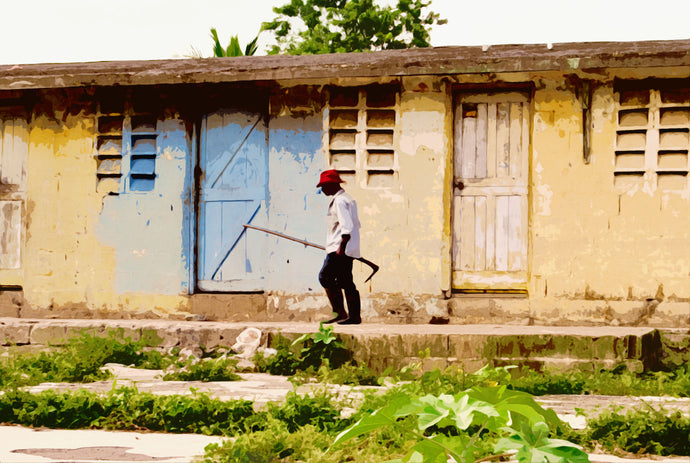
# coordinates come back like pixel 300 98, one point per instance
pixel 336 319
pixel 351 321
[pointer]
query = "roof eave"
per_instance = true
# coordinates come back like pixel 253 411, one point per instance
pixel 421 61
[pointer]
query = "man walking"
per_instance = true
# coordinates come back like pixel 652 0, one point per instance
pixel 342 247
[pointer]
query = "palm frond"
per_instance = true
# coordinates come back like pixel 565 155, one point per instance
pixel 217 47
pixel 234 48
pixel 251 47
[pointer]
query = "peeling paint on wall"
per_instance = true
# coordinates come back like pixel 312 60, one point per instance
pixel 145 229
pixel 606 245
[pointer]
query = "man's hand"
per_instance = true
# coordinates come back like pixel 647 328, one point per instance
pixel 343 245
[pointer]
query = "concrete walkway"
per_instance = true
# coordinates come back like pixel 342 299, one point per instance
pixel 26 445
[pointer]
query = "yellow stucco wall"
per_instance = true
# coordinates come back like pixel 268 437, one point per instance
pixel 67 265
pixel 600 252
pixel 596 253
pixel 64 264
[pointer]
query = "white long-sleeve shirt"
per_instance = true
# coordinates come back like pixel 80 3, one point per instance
pixel 343 220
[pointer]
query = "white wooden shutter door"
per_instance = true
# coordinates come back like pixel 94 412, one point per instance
pixel 14 136
pixel 490 214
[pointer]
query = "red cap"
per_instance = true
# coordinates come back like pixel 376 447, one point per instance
pixel 329 176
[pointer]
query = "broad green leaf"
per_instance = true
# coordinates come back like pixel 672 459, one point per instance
pixel 505 444
pixel 510 403
pixel 413 457
pixel 430 416
pixel 567 454
pixel 431 451
pixel 468 411
pixel 533 445
pixel 366 425
pixel 403 406
pixel 457 447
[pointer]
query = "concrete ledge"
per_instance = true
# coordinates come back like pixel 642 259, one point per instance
pixel 384 346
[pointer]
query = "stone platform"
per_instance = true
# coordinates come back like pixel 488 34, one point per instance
pixel 382 346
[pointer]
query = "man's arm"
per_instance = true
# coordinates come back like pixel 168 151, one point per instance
pixel 343 245
pixel 346 224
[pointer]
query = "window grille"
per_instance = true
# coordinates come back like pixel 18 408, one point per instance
pixel 125 150
pixel 652 138
pixel 361 134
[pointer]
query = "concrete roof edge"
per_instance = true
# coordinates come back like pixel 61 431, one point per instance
pixel 418 61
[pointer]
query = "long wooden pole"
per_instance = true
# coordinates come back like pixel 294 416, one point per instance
pixel 374 267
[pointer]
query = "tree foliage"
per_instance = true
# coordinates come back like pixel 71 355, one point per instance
pixel 342 26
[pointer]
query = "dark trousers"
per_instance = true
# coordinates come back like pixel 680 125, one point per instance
pixel 336 277
pixel 336 273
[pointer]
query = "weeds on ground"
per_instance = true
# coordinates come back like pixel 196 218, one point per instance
pixel 643 430
pixel 219 369
pixel 298 411
pixel 307 444
pixel 461 426
pixel 128 409
pixel 619 381
pixel 80 360
pixel 284 363
pixel 319 356
pixel 348 373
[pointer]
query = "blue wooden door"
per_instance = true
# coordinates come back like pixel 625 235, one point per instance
pixel 233 190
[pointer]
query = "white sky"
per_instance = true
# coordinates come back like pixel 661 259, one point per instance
pixel 53 31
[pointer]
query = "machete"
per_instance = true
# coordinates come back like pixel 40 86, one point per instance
pixel 374 267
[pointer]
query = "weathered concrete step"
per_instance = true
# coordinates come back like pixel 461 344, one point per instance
pixel 382 346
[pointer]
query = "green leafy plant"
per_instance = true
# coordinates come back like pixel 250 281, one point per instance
pixel 220 369
pixel 512 418
pixel 285 362
pixel 617 381
pixel 348 373
pixel 322 346
pixel 233 49
pixel 80 360
pixel 643 430
pixel 306 354
pixel 534 444
pixel 307 444
pixel 128 409
pixel 301 410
